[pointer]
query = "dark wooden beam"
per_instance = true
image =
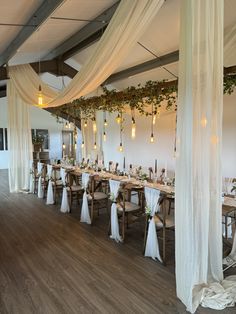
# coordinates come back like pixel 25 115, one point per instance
pixel 39 16
pixel 86 36
pixel 143 67
pixel 55 67
pixel 230 70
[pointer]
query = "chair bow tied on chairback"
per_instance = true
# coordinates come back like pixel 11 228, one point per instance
pixel 64 202
pixel 85 217
pixel 152 247
pixel 40 188
pixel 31 183
pixel 50 198
pixel 114 189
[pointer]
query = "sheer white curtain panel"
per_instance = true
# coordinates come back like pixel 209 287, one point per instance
pixel 19 141
pixel 198 163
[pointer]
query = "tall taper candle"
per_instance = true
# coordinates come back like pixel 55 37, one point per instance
pixel 124 164
pixel 155 166
pixel 166 169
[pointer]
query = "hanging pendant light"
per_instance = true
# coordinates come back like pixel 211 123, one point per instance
pixel 66 125
pixel 85 123
pixel 82 144
pixel 40 96
pixel 133 128
pixel 152 134
pixel 152 138
pixel 105 122
pixel 94 125
pixel 75 146
pixel 95 145
pixel 63 146
pixel 118 119
pixel 104 136
pixel 121 147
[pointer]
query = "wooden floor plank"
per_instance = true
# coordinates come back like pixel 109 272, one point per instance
pixel 51 263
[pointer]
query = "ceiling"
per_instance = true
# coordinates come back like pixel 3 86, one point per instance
pixel 162 36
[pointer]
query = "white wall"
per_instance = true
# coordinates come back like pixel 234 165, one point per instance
pixel 140 151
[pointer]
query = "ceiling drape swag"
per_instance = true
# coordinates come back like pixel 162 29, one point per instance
pixel 129 22
pixel 198 165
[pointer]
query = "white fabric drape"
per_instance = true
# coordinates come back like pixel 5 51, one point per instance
pixel 85 217
pixel 31 183
pixel 39 173
pixel 19 141
pixel 64 201
pixel 127 25
pixel 50 197
pixel 198 164
pixel 152 247
pixel 114 189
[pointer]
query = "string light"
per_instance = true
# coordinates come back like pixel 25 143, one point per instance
pixel 85 123
pixel 82 144
pixel 64 146
pixel 120 148
pixel 95 145
pixel 66 125
pixel 105 122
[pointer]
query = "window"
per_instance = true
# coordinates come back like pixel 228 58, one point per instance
pixel 41 133
pixel 6 140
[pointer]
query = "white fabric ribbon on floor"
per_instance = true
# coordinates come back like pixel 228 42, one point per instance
pixel 152 247
pixel 50 197
pixel 85 217
pixel 64 201
pixel 127 25
pixel 31 182
pixel 114 189
pixel 40 188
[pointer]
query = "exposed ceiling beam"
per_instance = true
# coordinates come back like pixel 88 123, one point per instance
pixel 84 37
pixel 143 67
pixel 65 116
pixel 55 67
pixel 39 16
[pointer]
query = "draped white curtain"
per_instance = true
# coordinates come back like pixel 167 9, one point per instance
pixel 64 201
pixel 198 163
pixel 85 217
pixel 152 247
pixel 114 189
pixel 127 25
pixel 50 197
pixel 19 140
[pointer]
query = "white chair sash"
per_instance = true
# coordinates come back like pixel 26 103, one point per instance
pixel 114 189
pixel 64 201
pixel 152 247
pixel 50 197
pixel 39 170
pixel 85 217
pixel 31 183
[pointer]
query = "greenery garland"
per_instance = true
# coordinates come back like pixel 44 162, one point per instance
pixel 153 93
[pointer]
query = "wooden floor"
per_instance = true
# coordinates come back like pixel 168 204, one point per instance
pixel 51 263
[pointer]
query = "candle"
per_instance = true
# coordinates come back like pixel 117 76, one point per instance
pixel 124 164
pixel 155 166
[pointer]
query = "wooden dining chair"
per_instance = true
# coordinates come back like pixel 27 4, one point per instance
pixel 97 198
pixel 126 208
